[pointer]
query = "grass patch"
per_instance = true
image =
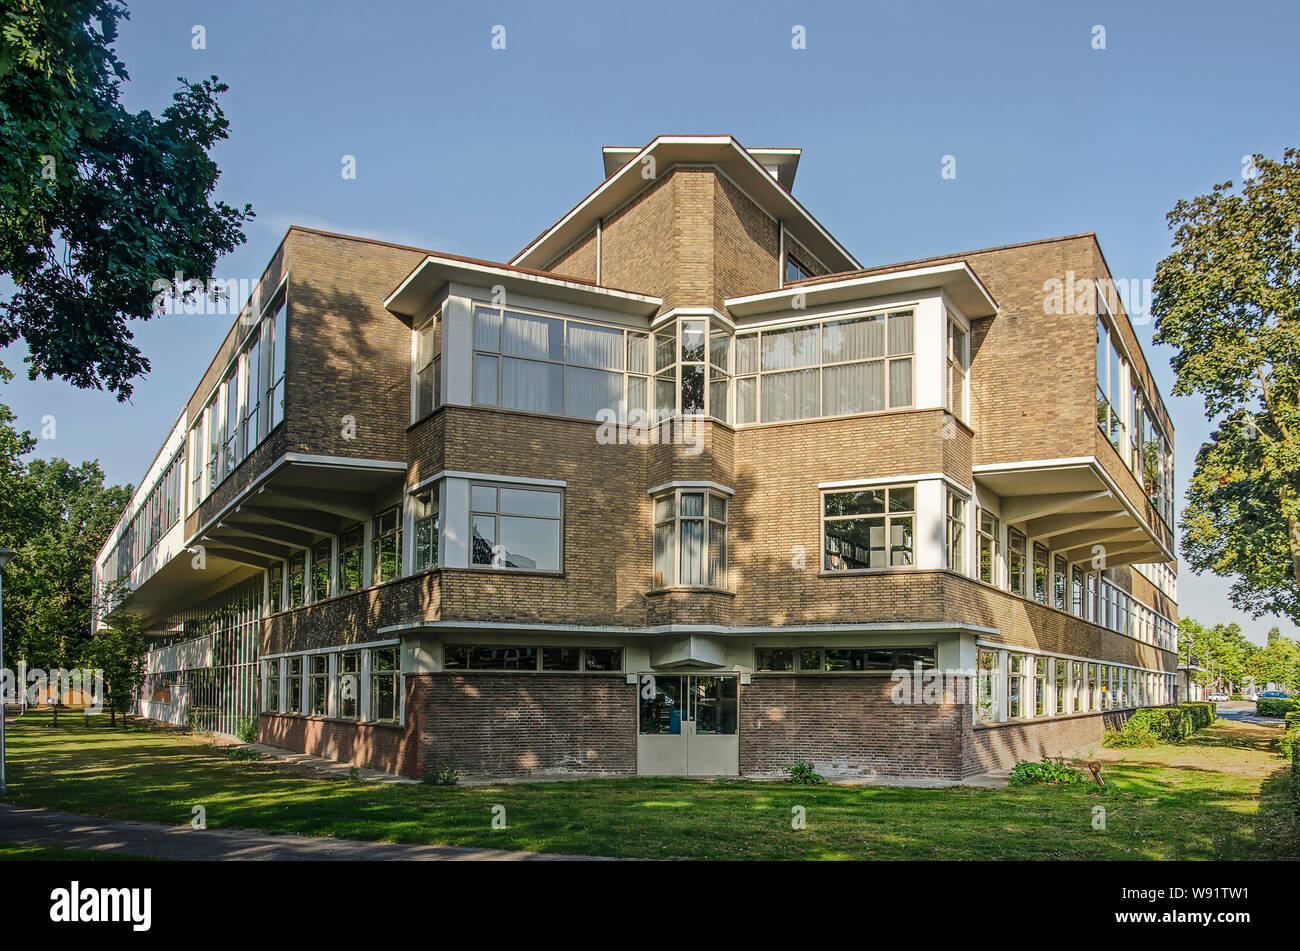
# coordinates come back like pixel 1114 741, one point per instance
pixel 1220 795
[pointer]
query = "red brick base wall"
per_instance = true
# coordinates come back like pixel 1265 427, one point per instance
pixel 1000 747
pixel 386 747
pixel 846 726
pixel 525 725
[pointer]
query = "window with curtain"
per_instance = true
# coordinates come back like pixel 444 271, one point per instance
pixel 869 529
pixel 690 539
pixel 830 368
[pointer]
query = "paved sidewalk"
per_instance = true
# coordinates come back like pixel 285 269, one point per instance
pixel 31 826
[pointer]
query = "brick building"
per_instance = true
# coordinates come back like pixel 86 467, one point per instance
pixel 681 488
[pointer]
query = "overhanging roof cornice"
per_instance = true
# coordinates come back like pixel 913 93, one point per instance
pixel 957 280
pixel 414 297
pixel 667 151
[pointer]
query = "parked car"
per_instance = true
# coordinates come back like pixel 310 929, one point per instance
pixel 1218 698
pixel 1275 694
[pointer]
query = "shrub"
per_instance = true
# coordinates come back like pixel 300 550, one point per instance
pixel 246 728
pixel 1047 770
pixel 1203 713
pixel 1273 707
pixel 1168 724
pixel 445 772
pixel 1124 739
pixel 1295 770
pixel 1236 696
pixel 241 753
pixel 354 774
pixel 803 774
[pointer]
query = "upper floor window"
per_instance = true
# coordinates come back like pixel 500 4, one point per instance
pixel 547 365
pixel 321 569
pixel 425 506
pixel 869 528
pixel 1059 583
pixel 515 527
pixel 690 539
pixel 832 368
pixel 958 354
pixel 796 270
pixel 990 531
pixel 1016 561
pixel 426 368
pixel 1112 388
pixel 386 545
pixel 352 559
pixel 297 586
pixel 955 532
pixel 1041 579
pixel 274 342
pixel 692 369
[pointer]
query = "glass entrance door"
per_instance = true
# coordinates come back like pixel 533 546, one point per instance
pixel 688 725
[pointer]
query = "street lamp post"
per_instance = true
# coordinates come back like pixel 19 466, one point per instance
pixel 5 555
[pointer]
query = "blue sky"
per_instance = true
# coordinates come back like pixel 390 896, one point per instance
pixel 471 150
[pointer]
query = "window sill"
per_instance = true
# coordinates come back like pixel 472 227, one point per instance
pixel 690 589
pixel 392 724
pixel 489 570
pixel 1023 721
pixel 853 572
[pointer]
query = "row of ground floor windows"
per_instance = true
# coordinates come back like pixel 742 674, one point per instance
pixel 1014 686
pixel 348 684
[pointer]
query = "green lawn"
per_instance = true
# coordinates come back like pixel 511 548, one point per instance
pixel 1223 795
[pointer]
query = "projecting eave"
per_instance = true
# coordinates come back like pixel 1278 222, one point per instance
pixel 415 296
pixel 741 165
pixel 957 280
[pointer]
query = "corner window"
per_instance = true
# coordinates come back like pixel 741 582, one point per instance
pixel 386 545
pixel 696 353
pixel 318 683
pixel 426 368
pixel 516 528
pixel 690 539
pixel 425 505
pixel 869 528
pixel 958 368
pixel 955 533
pixel 385 702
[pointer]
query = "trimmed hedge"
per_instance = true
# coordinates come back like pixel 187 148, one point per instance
pixel 1203 713
pixel 1295 770
pixel 1151 726
pixel 1273 707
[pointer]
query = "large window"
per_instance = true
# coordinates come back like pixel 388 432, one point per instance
pixel 958 366
pixel 1060 583
pixel 1017 558
pixel 832 368
pixel 385 701
pixel 1062 695
pixel 954 535
pixel 297 581
pixel 516 528
pixel 160 510
pixel 835 660
pixel 425 513
pixel 426 368
pixel 690 539
pixel 869 528
pixel 1040 573
pixel 293 686
pixel 321 569
pixel 275 588
pixel 271 686
pixel 274 341
pixel 990 530
pixel 1016 664
pixel 1039 667
pixel 986 687
pixel 1112 388
pixel 692 369
pixel 386 545
pixel 559 659
pixel 548 365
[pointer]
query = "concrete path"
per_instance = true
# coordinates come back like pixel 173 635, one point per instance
pixel 30 826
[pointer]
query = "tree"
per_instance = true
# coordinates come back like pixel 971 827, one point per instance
pixel 1222 650
pixel 1228 300
pixel 117 650
pixel 96 203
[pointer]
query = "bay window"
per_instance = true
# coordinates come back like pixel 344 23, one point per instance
pixel 518 528
pixel 869 528
pixel 690 539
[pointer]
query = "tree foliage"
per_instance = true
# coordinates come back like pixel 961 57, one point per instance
pixel 1228 300
pixel 97 203
pixel 1232 662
